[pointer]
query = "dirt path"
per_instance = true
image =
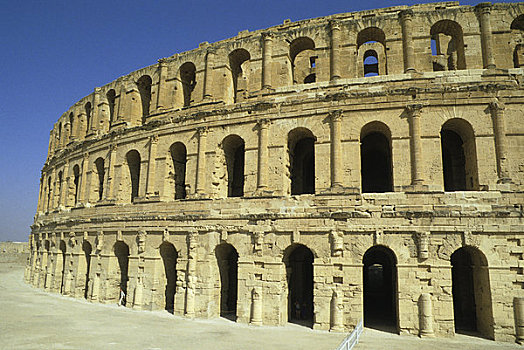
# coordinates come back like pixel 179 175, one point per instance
pixel 33 319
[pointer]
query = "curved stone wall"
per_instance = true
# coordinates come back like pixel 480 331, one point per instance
pixel 361 165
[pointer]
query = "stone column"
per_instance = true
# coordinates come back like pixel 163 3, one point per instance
pixel 337 313
pixel 208 74
pixel 263 155
pixel 151 170
pixel 191 273
pixel 161 97
pixel 499 128
pixel 67 133
pixel 200 187
pixel 110 184
pixel 82 120
pixel 267 53
pixel 335 50
pixel 64 195
pixel 425 316
pixel 122 110
pixel 415 143
pixel 336 148
pixel 53 197
pixel 484 10
pixel 83 179
pixel 256 306
pixel 518 309
pixel 406 21
pixel 51 145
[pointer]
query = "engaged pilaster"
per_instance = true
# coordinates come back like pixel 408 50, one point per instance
pixel 161 97
pixel 415 142
pixel 336 148
pixel 499 127
pixel 208 74
pixel 484 11
pixel 335 50
pixel 200 187
pixel 406 21
pixel 83 179
pixel 267 53
pixel 263 155
pixel 110 185
pixel 151 170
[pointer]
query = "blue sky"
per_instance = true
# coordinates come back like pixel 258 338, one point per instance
pixel 55 52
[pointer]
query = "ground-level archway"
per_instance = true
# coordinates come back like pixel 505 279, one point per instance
pixel 227 260
pixel 472 307
pixel 299 269
pixel 380 289
pixel 169 258
pixel 87 249
pixel 121 251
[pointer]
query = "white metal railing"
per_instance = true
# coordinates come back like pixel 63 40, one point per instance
pixel 352 339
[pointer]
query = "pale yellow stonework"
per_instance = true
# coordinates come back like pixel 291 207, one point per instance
pixel 214 167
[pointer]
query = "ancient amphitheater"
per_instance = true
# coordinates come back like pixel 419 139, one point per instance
pixel 363 165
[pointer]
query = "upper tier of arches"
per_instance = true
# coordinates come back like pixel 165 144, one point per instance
pixel 431 37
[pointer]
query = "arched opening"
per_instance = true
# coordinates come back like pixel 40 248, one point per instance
pixel 471 290
pixel 72 132
pixel 133 163
pixel 447 37
pixel 121 251
pixel 179 156
pixel 227 260
pixel 59 134
pixel 187 76
pixel 459 156
pixel 371 51
pixel 111 99
pixel 299 270
pixel 234 152
pixel 517 29
pixel 49 193
pixel 86 248
pixel 88 110
pixel 375 158
pixel 60 263
pixel 169 257
pixel 59 189
pixel 301 148
pixel 380 289
pixel 144 88
pixel 303 59
pixel 76 180
pixel 238 62
pixel 100 170
pixel 370 63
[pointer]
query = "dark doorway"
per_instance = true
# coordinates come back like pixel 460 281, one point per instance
pixel 301 145
pixel 169 257
pixel 122 254
pixel 380 289
pixel 134 162
pixel 376 167
pixel 459 159
pixel 234 152
pixel 179 156
pixel 299 268
pixel 86 247
pixel 63 263
pixel 227 259
pixel 471 292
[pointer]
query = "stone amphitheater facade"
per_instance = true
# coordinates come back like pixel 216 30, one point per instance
pixel 363 165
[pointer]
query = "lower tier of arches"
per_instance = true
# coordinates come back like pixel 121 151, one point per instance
pixel 433 283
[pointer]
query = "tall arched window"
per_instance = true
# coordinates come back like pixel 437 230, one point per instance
pixel 301 148
pixel 100 170
pixel 144 87
pixel 234 152
pixel 371 52
pixel 238 62
pixel 133 163
pixel 517 33
pixel 72 132
pixel 187 76
pixel 448 40
pixel 303 60
pixel 375 158
pixel 179 157
pixel 459 156
pixel 76 180
pixel 59 189
pixel 49 193
pixel 111 98
pixel 88 110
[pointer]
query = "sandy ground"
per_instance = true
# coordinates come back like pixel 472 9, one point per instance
pixel 33 319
